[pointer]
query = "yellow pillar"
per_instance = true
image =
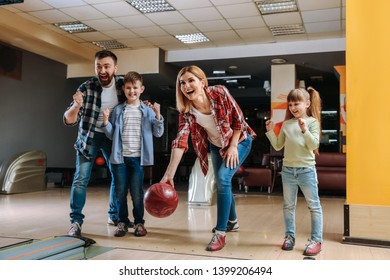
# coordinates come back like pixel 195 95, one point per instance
pixel 368 148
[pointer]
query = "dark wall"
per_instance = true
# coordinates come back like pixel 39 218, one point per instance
pixel 32 106
pixel 31 111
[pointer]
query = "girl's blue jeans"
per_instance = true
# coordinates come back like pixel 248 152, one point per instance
pixel 226 207
pixel 304 178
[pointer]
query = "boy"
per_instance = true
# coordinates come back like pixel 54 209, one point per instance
pixel 131 127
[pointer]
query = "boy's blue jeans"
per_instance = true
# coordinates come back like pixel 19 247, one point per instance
pixel 226 207
pixel 304 178
pixel 130 176
pixel 82 176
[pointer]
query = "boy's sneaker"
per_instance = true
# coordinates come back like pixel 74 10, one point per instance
pixel 231 226
pixel 313 248
pixel 112 222
pixel 121 230
pixel 75 230
pixel 288 243
pixel 130 224
pixel 140 230
pixel 216 243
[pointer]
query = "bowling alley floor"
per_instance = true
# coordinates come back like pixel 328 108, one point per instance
pixel 183 235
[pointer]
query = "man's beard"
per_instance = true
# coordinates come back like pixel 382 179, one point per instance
pixel 105 82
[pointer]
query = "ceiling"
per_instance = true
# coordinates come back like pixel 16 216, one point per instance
pixel 238 36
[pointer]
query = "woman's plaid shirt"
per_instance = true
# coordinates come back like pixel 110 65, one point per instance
pixel 227 116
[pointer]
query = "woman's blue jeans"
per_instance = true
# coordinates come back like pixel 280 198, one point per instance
pixel 130 176
pixel 82 176
pixel 304 178
pixel 226 206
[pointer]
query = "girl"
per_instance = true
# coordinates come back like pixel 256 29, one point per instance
pixel 212 116
pixel 299 135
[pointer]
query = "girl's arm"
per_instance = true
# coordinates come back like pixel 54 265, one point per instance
pixel 277 142
pixel 312 135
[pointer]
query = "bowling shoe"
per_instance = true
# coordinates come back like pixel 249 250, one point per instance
pixel 289 243
pixel 231 226
pixel 75 230
pixel 313 248
pixel 216 243
pixel 112 222
pixel 140 230
pixel 121 230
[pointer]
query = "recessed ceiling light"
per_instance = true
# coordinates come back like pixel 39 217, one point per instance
pixel 74 27
pixel 233 67
pixel 110 44
pixel 289 29
pixel 151 6
pixel 219 72
pixel 192 38
pixel 278 60
pixel 276 6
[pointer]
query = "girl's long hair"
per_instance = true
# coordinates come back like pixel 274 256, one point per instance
pixel 314 110
pixel 182 103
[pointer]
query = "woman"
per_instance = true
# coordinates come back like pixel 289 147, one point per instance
pixel 212 116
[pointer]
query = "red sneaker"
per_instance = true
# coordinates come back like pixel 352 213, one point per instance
pixel 313 248
pixel 216 243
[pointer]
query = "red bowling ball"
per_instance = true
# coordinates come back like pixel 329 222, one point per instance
pixel 100 161
pixel 161 200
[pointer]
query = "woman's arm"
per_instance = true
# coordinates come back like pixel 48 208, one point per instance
pixel 176 155
pixel 231 155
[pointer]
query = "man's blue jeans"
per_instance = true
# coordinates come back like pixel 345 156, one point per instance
pixel 304 178
pixel 82 176
pixel 130 176
pixel 226 206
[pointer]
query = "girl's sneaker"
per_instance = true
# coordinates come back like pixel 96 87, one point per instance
pixel 313 248
pixel 288 243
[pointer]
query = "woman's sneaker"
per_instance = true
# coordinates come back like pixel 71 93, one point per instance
pixel 217 242
pixel 140 230
pixel 288 243
pixel 121 230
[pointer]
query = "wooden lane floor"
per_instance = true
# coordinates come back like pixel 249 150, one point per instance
pixel 184 234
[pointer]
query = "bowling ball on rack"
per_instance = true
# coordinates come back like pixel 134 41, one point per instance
pixel 100 161
pixel 161 200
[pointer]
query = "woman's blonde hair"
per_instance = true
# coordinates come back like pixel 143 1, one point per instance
pixel 182 103
pixel 314 110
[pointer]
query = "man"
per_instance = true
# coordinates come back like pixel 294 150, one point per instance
pixel 86 110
